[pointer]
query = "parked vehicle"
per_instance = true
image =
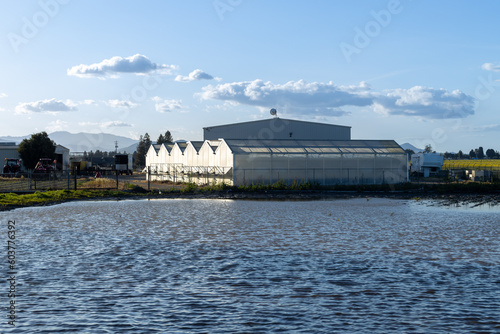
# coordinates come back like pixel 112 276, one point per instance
pixel 12 166
pixel 124 164
pixel 45 165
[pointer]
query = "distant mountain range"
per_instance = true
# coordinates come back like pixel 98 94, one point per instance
pixel 408 146
pixel 80 142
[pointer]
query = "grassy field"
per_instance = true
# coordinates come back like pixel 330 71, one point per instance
pixel 9 200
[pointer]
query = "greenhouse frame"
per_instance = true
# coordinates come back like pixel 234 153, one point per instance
pixel 241 162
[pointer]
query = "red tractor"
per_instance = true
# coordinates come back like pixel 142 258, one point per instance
pixel 45 165
pixel 12 166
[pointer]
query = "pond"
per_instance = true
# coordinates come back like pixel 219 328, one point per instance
pixel 222 266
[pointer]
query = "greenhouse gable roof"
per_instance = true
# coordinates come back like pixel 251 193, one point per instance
pixel 239 146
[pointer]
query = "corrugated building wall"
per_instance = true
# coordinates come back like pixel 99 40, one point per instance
pixel 278 129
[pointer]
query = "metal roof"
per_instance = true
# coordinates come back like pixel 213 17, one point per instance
pixel 9 147
pixel 267 120
pixel 239 146
pixel 156 147
pixel 197 145
pixel 182 145
pixel 213 144
pixel 169 147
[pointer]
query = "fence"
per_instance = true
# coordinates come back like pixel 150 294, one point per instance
pixel 175 177
pixel 30 181
pixel 59 180
pixel 174 173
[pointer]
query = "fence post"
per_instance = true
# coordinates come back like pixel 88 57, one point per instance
pixel 149 178
pixel 74 175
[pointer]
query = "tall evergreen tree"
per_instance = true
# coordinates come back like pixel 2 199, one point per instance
pixel 480 153
pixel 142 149
pixel 168 137
pixel 147 141
pixel 165 139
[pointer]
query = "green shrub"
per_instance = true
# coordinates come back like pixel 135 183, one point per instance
pixel 189 188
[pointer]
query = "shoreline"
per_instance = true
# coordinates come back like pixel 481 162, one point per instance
pixel 62 196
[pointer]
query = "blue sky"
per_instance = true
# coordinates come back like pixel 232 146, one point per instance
pixel 422 72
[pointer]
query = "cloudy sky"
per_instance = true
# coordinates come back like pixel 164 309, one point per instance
pixel 422 72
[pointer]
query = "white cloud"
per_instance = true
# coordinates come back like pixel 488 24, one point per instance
pixel 328 99
pixel 490 67
pixel 195 76
pixel 424 102
pixel 110 68
pixel 162 105
pixel 58 125
pixel 51 105
pixel 2 95
pixel 89 102
pixel 120 104
pixel 295 97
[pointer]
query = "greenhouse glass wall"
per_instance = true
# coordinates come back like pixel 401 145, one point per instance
pixel 238 162
pixel 321 162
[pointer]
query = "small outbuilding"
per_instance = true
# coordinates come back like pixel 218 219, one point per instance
pixel 62 157
pixel 8 150
pixel 426 163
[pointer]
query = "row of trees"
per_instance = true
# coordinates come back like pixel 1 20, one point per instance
pixel 477 153
pixel 144 144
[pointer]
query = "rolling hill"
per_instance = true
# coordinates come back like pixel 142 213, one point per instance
pixel 79 142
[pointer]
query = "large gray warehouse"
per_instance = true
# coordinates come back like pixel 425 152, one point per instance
pixel 267 151
pixel 277 128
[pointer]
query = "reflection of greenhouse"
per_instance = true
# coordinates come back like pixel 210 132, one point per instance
pixel 246 161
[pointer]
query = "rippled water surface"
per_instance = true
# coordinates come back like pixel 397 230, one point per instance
pixel 222 266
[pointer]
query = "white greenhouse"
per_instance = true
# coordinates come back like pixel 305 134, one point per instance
pixel 265 161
